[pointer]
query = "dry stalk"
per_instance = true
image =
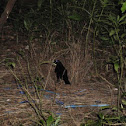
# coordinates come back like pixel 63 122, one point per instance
pixel 80 65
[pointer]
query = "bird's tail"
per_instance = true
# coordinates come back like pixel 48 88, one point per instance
pixel 67 82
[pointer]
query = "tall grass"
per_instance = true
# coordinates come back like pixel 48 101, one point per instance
pixel 80 65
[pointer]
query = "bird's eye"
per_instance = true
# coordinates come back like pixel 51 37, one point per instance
pixel 56 61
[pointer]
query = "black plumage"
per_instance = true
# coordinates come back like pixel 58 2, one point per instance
pixel 61 72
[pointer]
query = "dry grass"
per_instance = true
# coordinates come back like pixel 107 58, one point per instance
pixel 82 91
pixel 80 66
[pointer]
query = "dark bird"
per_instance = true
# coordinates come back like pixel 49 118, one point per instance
pixel 61 72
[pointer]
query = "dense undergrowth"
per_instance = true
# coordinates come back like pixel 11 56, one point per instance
pixel 86 27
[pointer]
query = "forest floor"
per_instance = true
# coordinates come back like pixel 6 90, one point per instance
pixel 73 102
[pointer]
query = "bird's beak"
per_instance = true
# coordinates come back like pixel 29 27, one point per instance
pixel 53 64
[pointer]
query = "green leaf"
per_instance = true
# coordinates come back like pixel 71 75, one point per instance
pixel 42 122
pixel 104 2
pixel 107 23
pixel 112 18
pixel 123 8
pixel 104 38
pixel 57 121
pixel 75 17
pixel 31 38
pixel 101 116
pixel 26 25
pixel 116 67
pixel 39 3
pixel 11 64
pixel 112 32
pixel 105 107
pixel 122 18
pixel 123 35
pixel 122 23
pixel 124 102
pixel 50 120
pixel 115 37
pixel 118 18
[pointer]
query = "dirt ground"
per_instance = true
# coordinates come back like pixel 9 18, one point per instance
pixel 72 102
pixel 14 108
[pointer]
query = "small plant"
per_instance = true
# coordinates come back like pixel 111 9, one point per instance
pixel 30 82
pixel 51 121
pixel 113 35
pixel 111 118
